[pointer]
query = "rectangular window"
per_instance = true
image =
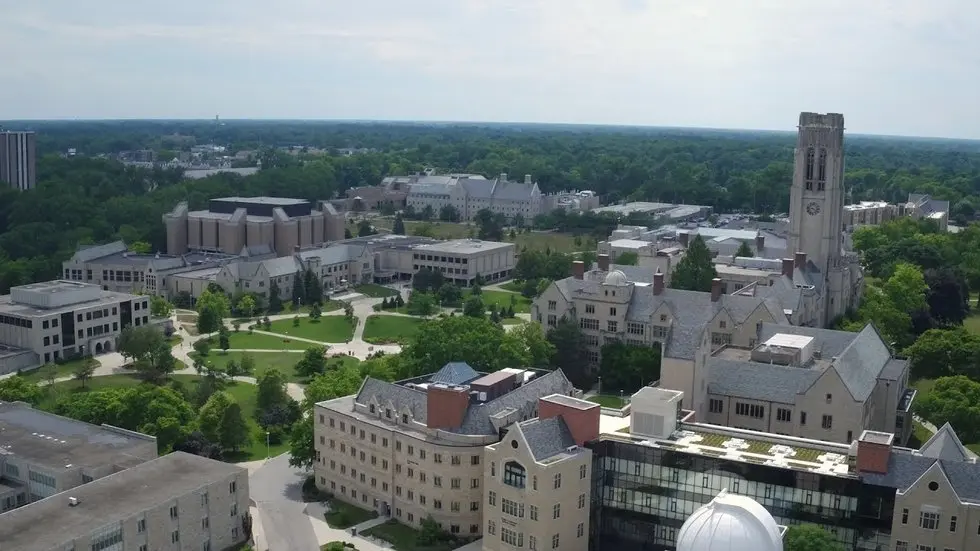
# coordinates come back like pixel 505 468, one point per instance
pixel 533 512
pixel 557 480
pixel 750 410
pixel 952 523
pixel 827 422
pixel 554 541
pixel 492 498
pixel 612 326
pixel 556 511
pixel 590 309
pixel 581 501
pixel 783 415
pixel 515 475
pixel 715 405
pixel 582 471
pixel 928 520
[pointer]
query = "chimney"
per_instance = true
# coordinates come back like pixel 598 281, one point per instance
pixel 658 282
pixel 446 406
pixel 503 176
pixel 800 260
pixel 760 242
pixel 683 237
pixel 715 289
pixel 578 269
pixel 873 451
pixel 527 178
pixel 604 262
pixel 581 417
pixel 788 267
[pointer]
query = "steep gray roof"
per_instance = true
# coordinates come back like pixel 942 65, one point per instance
pixel 454 373
pixel 861 363
pixel 256 250
pixel 904 469
pixel 759 381
pixel 286 265
pixel 636 274
pixel 523 399
pixel 547 437
pixel 476 188
pixel 829 342
pixel 402 397
pixel 945 444
pixel 505 190
pixel 88 253
pixel 894 369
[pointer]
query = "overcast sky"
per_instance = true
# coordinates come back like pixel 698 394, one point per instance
pixel 905 67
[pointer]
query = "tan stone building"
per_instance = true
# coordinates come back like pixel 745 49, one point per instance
pixel 416 448
pixel 868 213
pixel 232 223
pixel 538 479
pixel 179 501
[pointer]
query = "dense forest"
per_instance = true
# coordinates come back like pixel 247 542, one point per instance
pixel 87 200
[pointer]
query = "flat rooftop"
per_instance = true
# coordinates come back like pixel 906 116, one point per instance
pixel 110 499
pixel 208 274
pixel 463 246
pixel 9 306
pixel 571 401
pixel 264 200
pixel 47 439
pixel 210 215
pixel 630 244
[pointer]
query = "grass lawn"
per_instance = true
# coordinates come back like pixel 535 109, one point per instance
pixel 283 361
pixel 65 369
pixel 244 394
pixel 257 341
pixel 513 286
pixel 175 339
pixel 402 537
pixel 564 242
pixel 390 329
pixel 503 298
pixel 375 291
pixel 326 329
pixel 344 515
pixel 606 401
pixel 972 323
pixel 512 321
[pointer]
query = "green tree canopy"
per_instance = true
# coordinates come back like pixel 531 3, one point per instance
pixel 476 341
pixel 571 353
pixel 696 270
pixel 744 250
pixel 19 389
pixel 212 308
pixel 628 258
pixel 953 400
pixel 627 367
pixel 810 537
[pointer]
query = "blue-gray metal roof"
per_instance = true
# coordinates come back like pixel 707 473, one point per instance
pixel 547 437
pixel 454 373
pixel 759 381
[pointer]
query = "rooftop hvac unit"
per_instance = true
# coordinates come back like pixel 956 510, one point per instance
pixel 72 501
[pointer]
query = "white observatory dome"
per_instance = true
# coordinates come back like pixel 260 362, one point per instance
pixel 730 523
pixel 616 277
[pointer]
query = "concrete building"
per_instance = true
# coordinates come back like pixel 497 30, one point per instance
pixel 49 321
pixel 870 493
pixel 538 479
pixel 668 212
pixel 922 205
pixel 18 159
pixel 178 501
pixel 469 194
pixel 570 201
pixel 418 448
pixel 868 213
pixel 233 223
pixel 43 454
pixel 608 306
pixel 461 260
pixel 806 382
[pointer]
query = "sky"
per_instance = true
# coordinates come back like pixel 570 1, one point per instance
pixel 896 67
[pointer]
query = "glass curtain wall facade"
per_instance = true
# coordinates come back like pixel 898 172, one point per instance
pixel 642 495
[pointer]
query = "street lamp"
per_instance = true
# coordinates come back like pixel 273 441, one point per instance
pixel 267 444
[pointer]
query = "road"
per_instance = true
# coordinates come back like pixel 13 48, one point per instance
pixel 277 490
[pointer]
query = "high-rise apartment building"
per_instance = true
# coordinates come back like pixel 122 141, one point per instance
pixel 18 161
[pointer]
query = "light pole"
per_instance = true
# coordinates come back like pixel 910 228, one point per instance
pixel 267 445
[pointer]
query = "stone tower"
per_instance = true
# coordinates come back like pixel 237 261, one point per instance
pixel 817 207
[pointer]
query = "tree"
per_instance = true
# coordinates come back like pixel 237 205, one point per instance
pixel 953 400
pixel 271 389
pixel 348 312
pixel 449 213
pixel 421 304
pixel 945 352
pixel 450 294
pixel 348 234
pixel 629 367
pixel 302 445
pixel 299 290
pixel 427 281
pixel 483 345
pixel 744 250
pixel 315 312
pixel 275 301
pixel 234 431
pixel 19 389
pixel 246 366
pixel 314 288
pixel 399 226
pixel 212 414
pixel 570 353
pixel 224 339
pixel 948 296
pixel 341 380
pixel 212 309
pixel 494 313
pixel 427 213
pixel 696 270
pixel 365 229
pixel 313 362
pixel 84 371
pixel 202 347
pixel 474 307
pixel 628 258
pixel 150 351
pixel 532 338
pixel 810 537
pixel 246 306
pixel 198 444
pixel 160 308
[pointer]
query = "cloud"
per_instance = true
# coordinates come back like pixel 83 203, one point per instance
pixel 892 66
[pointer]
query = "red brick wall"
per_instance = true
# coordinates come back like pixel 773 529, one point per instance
pixel 446 407
pixel 873 458
pixel 584 424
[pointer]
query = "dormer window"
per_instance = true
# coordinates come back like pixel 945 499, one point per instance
pixel 371 408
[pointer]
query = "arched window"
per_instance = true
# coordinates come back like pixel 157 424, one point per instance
pixel 514 474
pixel 809 163
pixel 822 170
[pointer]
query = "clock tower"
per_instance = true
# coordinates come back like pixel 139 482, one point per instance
pixel 817 195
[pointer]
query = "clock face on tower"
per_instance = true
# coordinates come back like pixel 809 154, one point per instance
pixel 812 208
